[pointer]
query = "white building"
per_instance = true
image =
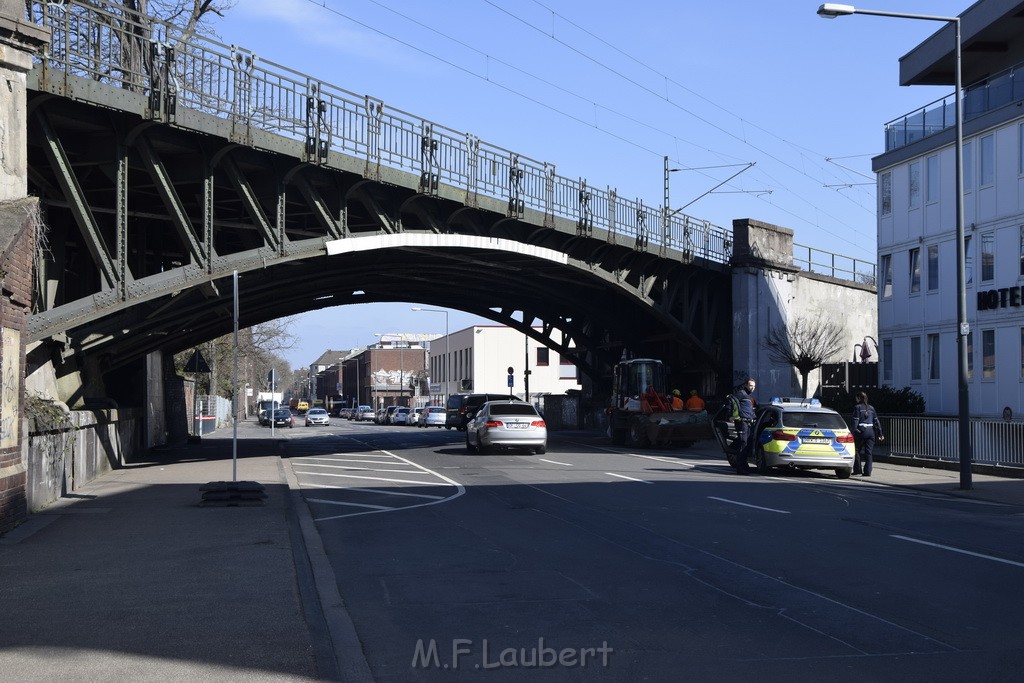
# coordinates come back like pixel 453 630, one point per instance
pixel 477 359
pixel 917 284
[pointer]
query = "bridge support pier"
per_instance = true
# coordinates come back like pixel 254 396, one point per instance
pixel 19 223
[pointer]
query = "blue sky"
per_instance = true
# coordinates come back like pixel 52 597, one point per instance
pixel 604 90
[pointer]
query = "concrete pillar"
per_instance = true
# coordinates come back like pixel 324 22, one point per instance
pixel 19 219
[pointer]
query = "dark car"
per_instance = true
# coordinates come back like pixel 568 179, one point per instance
pixel 462 407
pixel 283 418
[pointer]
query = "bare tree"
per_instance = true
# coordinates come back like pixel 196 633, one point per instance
pixel 805 344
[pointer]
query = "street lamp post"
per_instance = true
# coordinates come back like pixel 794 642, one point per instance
pixel 446 342
pixel 831 11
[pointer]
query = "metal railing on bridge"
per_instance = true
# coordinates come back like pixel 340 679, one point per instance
pixel 995 442
pixel 109 43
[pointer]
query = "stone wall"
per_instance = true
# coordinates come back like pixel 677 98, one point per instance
pixel 769 291
pixel 77 448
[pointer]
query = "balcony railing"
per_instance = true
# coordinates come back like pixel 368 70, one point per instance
pixel 1006 87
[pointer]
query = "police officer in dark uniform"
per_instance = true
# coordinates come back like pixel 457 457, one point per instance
pixel 744 443
pixel 866 429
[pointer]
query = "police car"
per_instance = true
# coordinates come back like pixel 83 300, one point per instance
pixel 801 433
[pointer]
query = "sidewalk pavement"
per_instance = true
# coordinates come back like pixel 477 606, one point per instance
pixel 130 579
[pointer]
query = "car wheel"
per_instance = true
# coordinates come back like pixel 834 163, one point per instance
pixel 540 450
pixel 480 447
pixel 761 460
pixel 472 448
pixel 842 473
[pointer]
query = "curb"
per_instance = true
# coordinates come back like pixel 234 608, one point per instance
pixel 349 662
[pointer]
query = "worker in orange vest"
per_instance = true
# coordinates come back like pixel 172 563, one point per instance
pixel 677 400
pixel 695 403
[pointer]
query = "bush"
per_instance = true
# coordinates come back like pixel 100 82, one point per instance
pixel 886 400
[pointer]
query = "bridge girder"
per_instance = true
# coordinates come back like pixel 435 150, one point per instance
pixel 189 210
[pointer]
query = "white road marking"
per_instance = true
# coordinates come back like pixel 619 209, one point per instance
pixel 384 492
pixel 345 458
pixel 674 461
pixel 356 468
pixel 748 505
pixel 358 505
pixel 958 550
pixel 460 490
pixel 623 476
pixel 357 476
pixel 555 462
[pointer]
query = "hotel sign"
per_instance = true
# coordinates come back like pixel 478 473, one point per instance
pixel 1004 297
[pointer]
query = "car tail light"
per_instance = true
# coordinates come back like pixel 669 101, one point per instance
pixel 780 435
pixel 845 438
pixel 538 423
pixel 493 423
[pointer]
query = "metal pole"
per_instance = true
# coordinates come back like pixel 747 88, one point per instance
pixel 963 327
pixel 234 390
pixel 447 359
pixel 829 10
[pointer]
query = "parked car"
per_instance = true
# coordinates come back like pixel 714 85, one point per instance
pixel 317 416
pixel 283 418
pixel 378 417
pixel 389 414
pixel 415 416
pixel 363 413
pixel 401 416
pixel 468 405
pixel 433 416
pixel 506 424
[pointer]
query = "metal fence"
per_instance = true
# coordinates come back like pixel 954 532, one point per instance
pixel 834 265
pixel 994 442
pixel 108 43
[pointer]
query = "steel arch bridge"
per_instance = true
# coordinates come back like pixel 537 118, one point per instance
pixel 166 164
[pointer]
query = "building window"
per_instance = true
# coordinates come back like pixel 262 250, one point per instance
pixel 933 267
pixel 988 257
pixel 986 161
pixel 887 360
pixel 915 358
pixel 932 193
pixel 1022 352
pixel 970 355
pixel 1021 272
pixel 988 354
pixel 542 356
pixel 915 184
pixel 885 192
pixel 1020 148
pixel 933 356
pixel 886 276
pixel 915 270
pixel 968 168
pixel 566 370
pixel 968 261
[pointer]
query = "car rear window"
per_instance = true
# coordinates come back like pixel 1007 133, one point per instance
pixel 798 419
pixel 513 409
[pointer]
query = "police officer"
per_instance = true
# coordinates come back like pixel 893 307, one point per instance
pixel 744 443
pixel 866 428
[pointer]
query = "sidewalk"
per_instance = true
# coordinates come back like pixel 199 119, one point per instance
pixel 129 579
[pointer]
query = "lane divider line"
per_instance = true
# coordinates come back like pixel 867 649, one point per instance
pixel 322 501
pixel 958 550
pixel 623 476
pixel 555 462
pixel 748 505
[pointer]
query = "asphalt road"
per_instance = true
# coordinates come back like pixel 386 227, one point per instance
pixel 594 562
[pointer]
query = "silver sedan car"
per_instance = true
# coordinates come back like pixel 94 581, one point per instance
pixel 506 424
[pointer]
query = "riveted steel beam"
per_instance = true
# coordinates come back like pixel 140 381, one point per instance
pixel 78 204
pixel 249 199
pixel 319 206
pixel 175 209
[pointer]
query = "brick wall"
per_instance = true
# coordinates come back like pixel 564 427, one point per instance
pixel 18 226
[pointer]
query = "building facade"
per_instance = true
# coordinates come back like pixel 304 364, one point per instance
pixel 476 360
pixel 917 254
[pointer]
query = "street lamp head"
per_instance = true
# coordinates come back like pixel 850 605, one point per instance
pixel 831 10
